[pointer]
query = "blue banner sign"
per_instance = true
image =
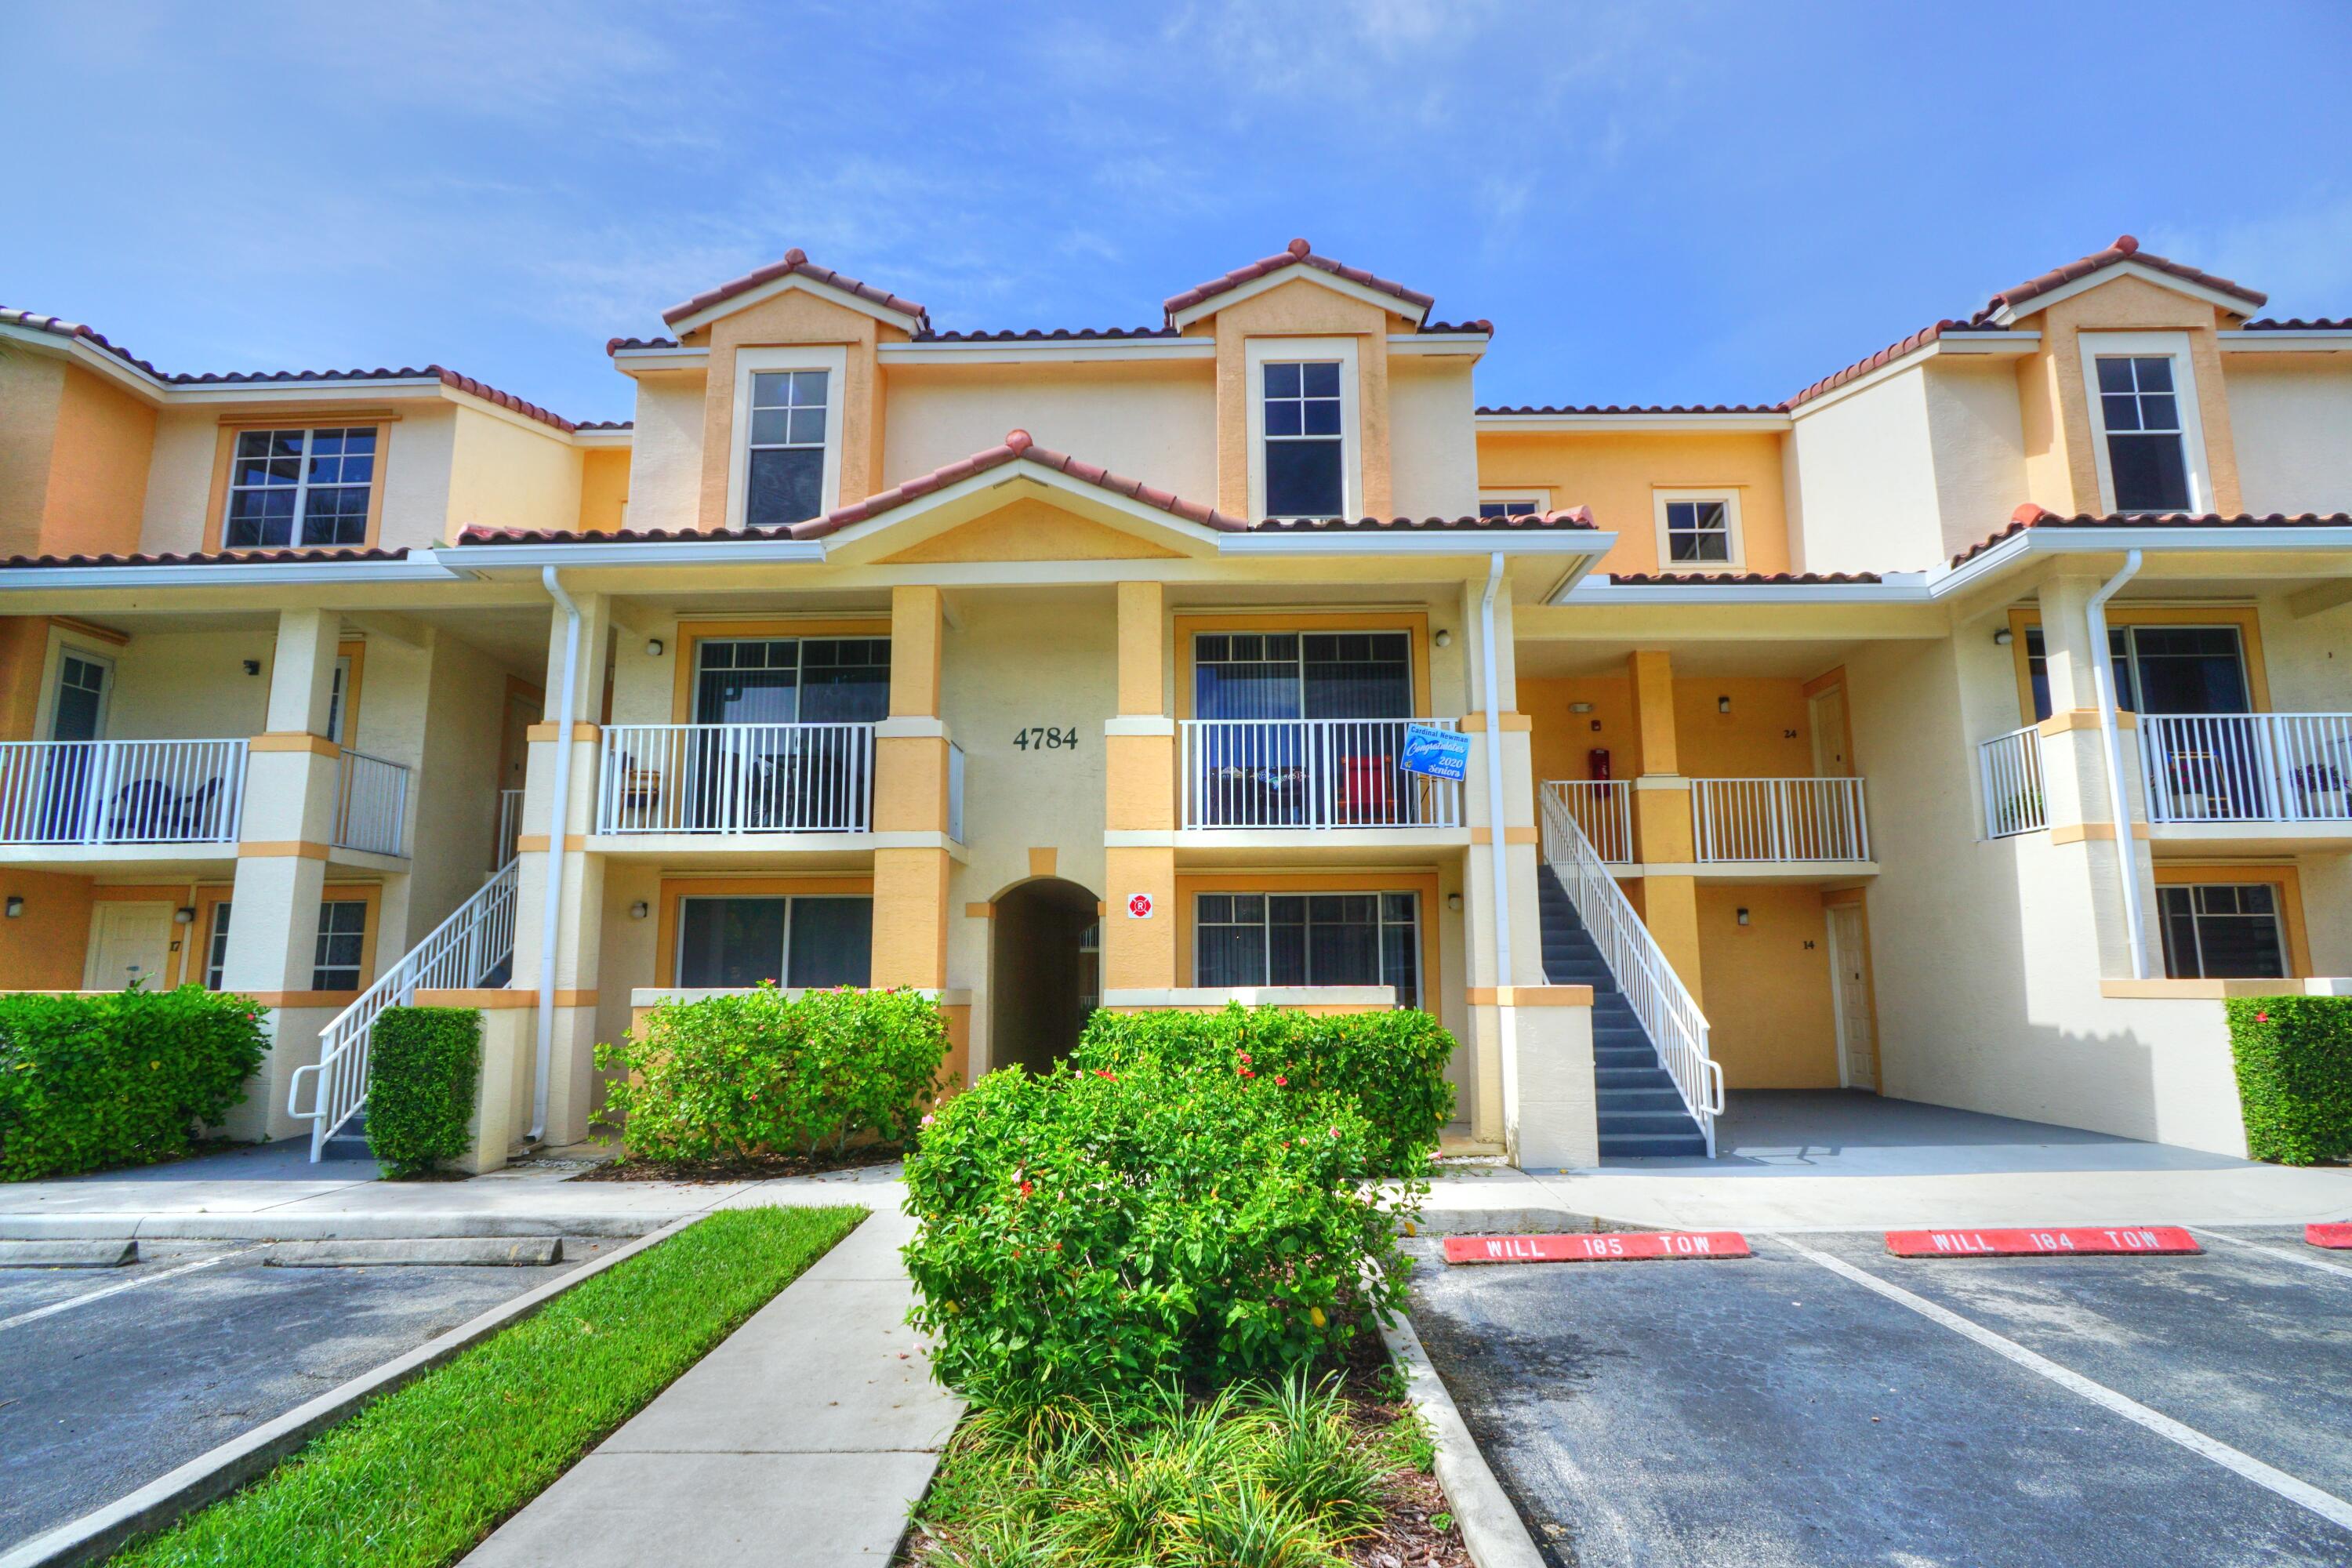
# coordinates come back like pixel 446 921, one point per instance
pixel 1437 754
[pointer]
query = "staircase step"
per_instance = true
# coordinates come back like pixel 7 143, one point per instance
pixel 1622 1123
pixel 1604 1080
pixel 1651 1146
pixel 1659 1099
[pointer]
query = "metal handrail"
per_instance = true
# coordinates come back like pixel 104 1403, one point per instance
pixel 1779 819
pixel 462 953
pixel 121 792
pixel 2009 768
pixel 1308 773
pixel 1604 808
pixel 2247 767
pixel 1668 1013
pixel 371 802
pixel 735 778
pixel 510 827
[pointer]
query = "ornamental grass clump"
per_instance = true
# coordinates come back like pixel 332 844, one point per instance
pixel 733 1078
pixel 1389 1065
pixel 1102 1231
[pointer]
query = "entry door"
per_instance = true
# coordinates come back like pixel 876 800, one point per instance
pixel 1828 717
pixel 1857 1030
pixel 127 941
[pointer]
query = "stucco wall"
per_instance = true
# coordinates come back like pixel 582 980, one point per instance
pixel 1153 422
pixel 1616 472
pixel 1432 445
pixel 506 474
pixel 455 791
pixel 193 685
pixel 98 476
pixel 1978 446
pixel 2293 419
pixel 1772 1023
pixel 179 481
pixel 665 452
pixel 1865 467
pixel 603 488
pixel 31 386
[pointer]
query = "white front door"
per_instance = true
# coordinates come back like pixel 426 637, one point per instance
pixel 127 941
pixel 1857 1030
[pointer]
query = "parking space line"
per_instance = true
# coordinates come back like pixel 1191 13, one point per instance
pixel 2281 1253
pixel 2327 1505
pixel 72 1301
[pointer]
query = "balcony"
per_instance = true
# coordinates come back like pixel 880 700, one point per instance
pixel 735 779
pixel 1757 820
pixel 1285 774
pixel 71 792
pixel 2247 767
pixel 370 804
pixel 2009 768
pixel 1602 809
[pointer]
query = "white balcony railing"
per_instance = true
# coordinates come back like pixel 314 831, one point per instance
pixel 2247 767
pixel 2009 768
pixel 1779 819
pixel 370 804
pixel 120 791
pixel 1602 809
pixel 510 827
pixel 1309 772
pixel 736 778
pixel 955 792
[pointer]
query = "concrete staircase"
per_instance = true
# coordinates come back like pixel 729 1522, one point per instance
pixel 1642 1112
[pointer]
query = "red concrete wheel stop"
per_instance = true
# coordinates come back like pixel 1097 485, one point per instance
pixel 2335 1238
pixel 1596 1247
pixel 2063 1241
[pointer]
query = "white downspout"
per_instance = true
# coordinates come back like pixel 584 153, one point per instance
pixel 2103 681
pixel 1506 1021
pixel 551 918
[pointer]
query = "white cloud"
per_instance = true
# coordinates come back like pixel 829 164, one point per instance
pixel 2301 258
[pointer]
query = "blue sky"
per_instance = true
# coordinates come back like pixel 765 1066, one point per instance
pixel 1652 203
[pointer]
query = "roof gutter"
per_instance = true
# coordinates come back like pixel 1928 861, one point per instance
pixel 2103 681
pixel 1506 1027
pixel 550 923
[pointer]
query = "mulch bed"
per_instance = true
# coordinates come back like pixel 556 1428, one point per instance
pixel 758 1168
pixel 1405 1538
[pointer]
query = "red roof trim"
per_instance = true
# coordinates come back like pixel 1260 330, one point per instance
pixel 1738 579
pixel 2030 516
pixel 2297 324
pixel 214 558
pixel 1550 408
pixel 796 261
pixel 1298 253
pixel 2125 249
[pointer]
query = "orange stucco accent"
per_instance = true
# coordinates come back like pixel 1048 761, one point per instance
pixel 918 632
pixel 1142 649
pixel 1031 529
pixel 1651 671
pixel 911 784
pixel 1300 308
pixel 44 948
pixel 793 318
pixel 1139 954
pixel 603 488
pixel 1670 908
pixel 1140 777
pixel 1781 1032
pixel 98 474
pixel 910 918
pixel 24 663
pixel 1617 473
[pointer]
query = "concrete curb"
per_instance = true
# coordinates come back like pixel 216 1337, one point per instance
pixel 329 1227
pixel 110 1253
pixel 215 1475
pixel 441 1252
pixel 1491 1527
pixel 1506 1222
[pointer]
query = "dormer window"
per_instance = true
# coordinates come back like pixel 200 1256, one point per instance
pixel 306 488
pixel 787 465
pixel 1302 417
pixel 2145 434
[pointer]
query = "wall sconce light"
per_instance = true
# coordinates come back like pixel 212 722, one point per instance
pixel 1453 901
pixel 641 909
pixel 253 667
pixel 186 915
pixel 15 907
pixel 1743 915
pixel 1723 704
pixel 2003 637
pixel 1444 638
pixel 1580 707
pixel 653 647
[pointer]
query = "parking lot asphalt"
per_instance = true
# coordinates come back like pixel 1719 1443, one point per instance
pixel 1780 1410
pixel 120 1386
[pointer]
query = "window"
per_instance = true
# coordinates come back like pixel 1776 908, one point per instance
pixel 1305 463
pixel 80 710
pixel 1308 939
pixel 2222 931
pixel 787 440
pixel 787 680
pixel 2141 413
pixel 216 947
pixel 803 942
pixel 300 488
pixel 1302 675
pixel 343 931
pixel 1494 509
pixel 2161 669
pixel 1697 529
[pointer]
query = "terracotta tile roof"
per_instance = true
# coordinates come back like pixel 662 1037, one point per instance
pixel 796 261
pixel 1891 353
pixel 1297 253
pixel 614 345
pixel 606 425
pixel 1633 408
pixel 1043 334
pixel 1481 327
pixel 213 558
pixel 1575 517
pixel 2297 324
pixel 75 330
pixel 1742 579
pixel 2125 249
pixel 2030 516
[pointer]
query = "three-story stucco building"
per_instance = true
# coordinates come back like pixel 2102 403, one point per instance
pixel 1961 728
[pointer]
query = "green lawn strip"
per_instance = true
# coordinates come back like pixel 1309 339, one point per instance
pixel 421 1474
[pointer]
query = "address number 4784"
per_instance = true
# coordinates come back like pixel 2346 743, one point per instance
pixel 1046 738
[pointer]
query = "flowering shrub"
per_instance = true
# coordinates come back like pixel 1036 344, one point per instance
pixel 1106 1230
pixel 1390 1066
pixel 124 1080
pixel 730 1076
pixel 2293 1056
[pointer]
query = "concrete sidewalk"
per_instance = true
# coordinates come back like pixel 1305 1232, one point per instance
pixel 805 1438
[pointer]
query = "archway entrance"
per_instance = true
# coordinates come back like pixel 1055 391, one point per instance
pixel 1042 972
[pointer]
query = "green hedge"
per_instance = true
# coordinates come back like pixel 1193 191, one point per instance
pixel 86 1082
pixel 728 1078
pixel 1389 1065
pixel 423 1064
pixel 1105 1231
pixel 2294 1076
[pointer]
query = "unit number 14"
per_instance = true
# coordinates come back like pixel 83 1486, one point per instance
pixel 1044 737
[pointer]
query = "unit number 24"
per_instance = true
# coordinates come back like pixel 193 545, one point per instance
pixel 1045 738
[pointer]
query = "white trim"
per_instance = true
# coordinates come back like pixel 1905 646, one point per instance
pixel 635 362
pixel 790 281
pixel 422 566
pixel 1443 345
pixel 2126 268
pixel 1736 540
pixel 602 439
pixel 2003 346
pixel 667 553
pixel 2173 346
pixel 833 360
pixel 1633 419
pixel 1021 351
pixel 1258 353
pixel 2288 340
pixel 1462 542
pixel 1293 271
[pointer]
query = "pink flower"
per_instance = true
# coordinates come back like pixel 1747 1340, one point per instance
pixel 1026 1189
pixel 2262 1018
pixel 1243 1055
pixel 1280 1081
pixel 929 1118
pixel 1335 1132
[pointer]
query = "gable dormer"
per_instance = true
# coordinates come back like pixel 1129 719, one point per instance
pixel 1303 382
